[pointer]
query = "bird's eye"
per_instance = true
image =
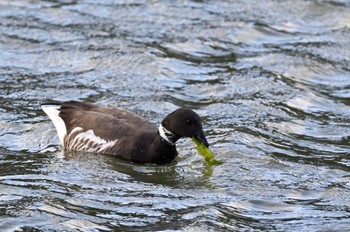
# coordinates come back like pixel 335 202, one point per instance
pixel 190 123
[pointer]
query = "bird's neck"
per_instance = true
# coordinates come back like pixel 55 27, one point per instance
pixel 167 136
pixel 161 150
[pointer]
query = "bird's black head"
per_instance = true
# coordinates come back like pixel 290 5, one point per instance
pixel 185 123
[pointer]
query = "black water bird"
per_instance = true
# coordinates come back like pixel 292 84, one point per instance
pixel 99 129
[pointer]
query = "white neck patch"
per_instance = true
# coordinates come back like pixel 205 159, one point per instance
pixel 166 134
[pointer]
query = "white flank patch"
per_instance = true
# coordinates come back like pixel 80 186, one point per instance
pixel 52 111
pixel 88 141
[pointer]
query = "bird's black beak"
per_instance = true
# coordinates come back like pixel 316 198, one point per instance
pixel 201 137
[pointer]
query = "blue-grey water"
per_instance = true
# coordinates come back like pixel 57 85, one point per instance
pixel 271 80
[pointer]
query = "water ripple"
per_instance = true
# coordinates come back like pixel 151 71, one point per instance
pixel 270 80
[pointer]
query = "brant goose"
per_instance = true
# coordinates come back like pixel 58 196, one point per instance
pixel 91 128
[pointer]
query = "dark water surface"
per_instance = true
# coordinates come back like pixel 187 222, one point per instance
pixel 271 80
